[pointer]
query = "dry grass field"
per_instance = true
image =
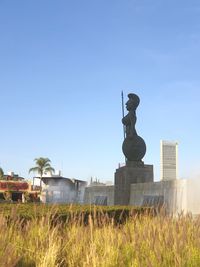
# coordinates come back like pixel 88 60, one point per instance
pixel 143 240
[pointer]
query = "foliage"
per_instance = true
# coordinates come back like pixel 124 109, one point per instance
pixel 42 165
pixel 1 174
pixel 27 197
pixel 71 214
pixel 7 196
pixel 143 240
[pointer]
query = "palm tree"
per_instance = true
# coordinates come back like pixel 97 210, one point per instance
pixel 1 174
pixel 42 165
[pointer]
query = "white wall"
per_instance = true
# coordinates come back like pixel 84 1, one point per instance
pixel 94 191
pixel 174 193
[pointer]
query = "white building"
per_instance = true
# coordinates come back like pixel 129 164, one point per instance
pixel 59 189
pixel 169 160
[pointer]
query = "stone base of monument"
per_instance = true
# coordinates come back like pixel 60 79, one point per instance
pixel 132 173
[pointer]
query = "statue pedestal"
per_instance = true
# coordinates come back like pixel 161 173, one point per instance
pixel 132 173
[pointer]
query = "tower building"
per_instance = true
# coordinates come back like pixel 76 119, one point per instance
pixel 169 160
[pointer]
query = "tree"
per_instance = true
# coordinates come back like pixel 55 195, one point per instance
pixel 42 165
pixel 1 174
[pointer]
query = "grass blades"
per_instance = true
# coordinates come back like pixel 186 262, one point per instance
pixel 143 240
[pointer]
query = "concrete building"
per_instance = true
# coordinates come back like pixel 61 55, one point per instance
pixel 99 195
pixel 59 189
pixel 169 160
pixel 176 195
pixel 181 195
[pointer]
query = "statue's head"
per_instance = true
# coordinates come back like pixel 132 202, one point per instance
pixel 133 102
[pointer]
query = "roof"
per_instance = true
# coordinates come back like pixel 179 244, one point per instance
pixel 12 178
pixel 73 180
pixel 54 177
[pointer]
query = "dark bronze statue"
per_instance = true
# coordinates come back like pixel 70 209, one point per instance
pixel 133 147
pixel 130 119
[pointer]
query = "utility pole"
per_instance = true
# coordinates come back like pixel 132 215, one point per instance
pixel 122 95
pixel 124 128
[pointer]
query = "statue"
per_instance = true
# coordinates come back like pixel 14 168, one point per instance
pixel 134 147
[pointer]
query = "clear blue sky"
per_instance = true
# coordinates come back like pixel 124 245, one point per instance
pixel 63 65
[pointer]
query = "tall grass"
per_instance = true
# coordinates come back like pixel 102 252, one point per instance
pixel 143 241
